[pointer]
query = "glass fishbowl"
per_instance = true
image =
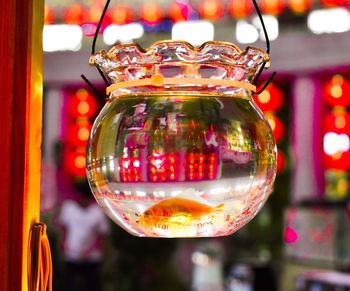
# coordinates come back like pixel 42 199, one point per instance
pixel 180 149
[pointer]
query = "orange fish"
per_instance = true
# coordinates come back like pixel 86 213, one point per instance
pixel 176 211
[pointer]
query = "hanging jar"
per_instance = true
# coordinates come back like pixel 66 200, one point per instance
pixel 180 149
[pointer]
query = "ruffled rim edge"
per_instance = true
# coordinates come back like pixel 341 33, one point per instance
pixel 112 51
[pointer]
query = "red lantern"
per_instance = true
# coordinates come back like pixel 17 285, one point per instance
pixel 122 14
pixel 151 13
pixel 179 11
pixel 95 14
pixel 271 99
pixel 240 9
pixel 299 6
pixel 78 134
pixel 336 91
pixel 281 161
pixel 334 3
pixel 278 128
pixel 75 14
pixel 338 122
pixel 338 161
pixel 272 7
pixel 75 163
pixel 49 17
pixel 82 104
pixel 211 9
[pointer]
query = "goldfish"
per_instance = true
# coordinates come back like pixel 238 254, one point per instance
pixel 176 211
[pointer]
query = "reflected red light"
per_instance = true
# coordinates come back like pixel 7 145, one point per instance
pixel 336 91
pixel 163 167
pixel 271 99
pixel 212 166
pixel 290 235
pixel 130 169
pixel 240 9
pixel 195 166
pixel 199 166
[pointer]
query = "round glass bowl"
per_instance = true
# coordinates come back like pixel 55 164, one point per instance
pixel 181 159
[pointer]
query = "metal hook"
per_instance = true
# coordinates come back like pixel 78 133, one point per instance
pixel 93 88
pixel 257 77
pixel 266 84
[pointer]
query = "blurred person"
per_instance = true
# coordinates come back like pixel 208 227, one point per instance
pixel 85 228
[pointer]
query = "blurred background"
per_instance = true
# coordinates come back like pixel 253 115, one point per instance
pixel 300 240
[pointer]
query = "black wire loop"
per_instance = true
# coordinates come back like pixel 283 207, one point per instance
pixel 93 48
pixel 258 12
pixel 266 84
pixel 93 88
pixel 267 40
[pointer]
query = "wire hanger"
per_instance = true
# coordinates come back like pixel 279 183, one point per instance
pixel 267 40
pixel 255 81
